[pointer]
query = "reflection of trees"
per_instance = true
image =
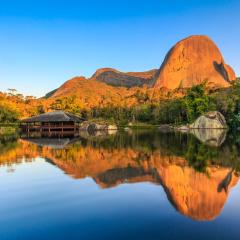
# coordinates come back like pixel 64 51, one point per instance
pixel 177 161
pixel 12 150
pixel 199 155
pixel 7 143
pixel 144 143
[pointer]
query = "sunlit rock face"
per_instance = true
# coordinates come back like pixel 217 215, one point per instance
pixel 193 61
pixel 197 195
pixel 131 79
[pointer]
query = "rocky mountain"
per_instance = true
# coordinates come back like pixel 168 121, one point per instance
pixel 91 93
pixel 192 61
pixel 69 87
pixel 104 82
pixel 130 79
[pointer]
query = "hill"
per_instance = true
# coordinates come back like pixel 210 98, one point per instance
pixel 92 93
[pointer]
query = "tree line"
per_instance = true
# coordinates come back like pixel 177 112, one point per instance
pixel 166 110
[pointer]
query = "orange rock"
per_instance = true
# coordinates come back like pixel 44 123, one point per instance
pixel 130 79
pixel 192 61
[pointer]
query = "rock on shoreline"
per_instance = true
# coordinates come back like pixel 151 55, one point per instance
pixel 91 126
pixel 209 128
pixel 210 120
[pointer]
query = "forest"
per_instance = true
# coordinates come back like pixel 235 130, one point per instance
pixel 179 107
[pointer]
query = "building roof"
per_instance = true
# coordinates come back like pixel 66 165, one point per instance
pixel 56 116
pixel 54 143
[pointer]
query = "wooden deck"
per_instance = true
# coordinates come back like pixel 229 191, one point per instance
pixel 50 128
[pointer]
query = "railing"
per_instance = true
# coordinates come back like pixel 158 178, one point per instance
pixel 49 127
pixel 58 127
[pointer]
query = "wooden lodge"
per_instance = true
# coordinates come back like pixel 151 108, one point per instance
pixel 52 122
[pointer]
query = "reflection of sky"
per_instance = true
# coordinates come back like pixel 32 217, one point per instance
pixel 42 45
pixel 38 201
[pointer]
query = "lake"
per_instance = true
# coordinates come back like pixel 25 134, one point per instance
pixel 124 185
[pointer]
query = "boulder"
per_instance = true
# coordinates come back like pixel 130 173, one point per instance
pixel 89 127
pixel 210 120
pixel 92 127
pixel 183 129
pixel 112 127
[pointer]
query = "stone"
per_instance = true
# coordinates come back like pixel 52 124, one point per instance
pixel 112 127
pixel 92 127
pixel 210 120
pixel 183 129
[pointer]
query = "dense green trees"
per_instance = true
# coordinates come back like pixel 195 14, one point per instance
pixel 170 112
pixel 69 104
pixel 228 103
pixel 147 109
pixel 181 110
pixel 8 114
pixel 197 102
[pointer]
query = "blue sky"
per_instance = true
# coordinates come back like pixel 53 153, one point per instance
pixel 44 43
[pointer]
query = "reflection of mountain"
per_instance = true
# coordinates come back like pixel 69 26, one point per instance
pixel 128 174
pixel 127 159
pixel 195 194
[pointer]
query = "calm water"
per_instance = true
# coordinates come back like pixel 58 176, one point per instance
pixel 129 185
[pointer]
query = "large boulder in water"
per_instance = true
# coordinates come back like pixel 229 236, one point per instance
pixel 193 61
pixel 210 120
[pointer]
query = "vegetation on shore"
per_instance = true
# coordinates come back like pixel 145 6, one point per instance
pixel 180 107
pixel 8 130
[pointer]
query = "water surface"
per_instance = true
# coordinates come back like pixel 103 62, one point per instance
pixel 130 185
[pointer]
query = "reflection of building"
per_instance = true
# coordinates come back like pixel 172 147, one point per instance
pixel 57 121
pixel 54 143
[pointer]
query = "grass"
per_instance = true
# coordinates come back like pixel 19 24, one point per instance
pixel 8 129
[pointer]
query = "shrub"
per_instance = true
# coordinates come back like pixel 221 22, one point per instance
pixel 198 102
pixel 8 114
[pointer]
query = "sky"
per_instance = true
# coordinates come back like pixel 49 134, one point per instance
pixel 44 43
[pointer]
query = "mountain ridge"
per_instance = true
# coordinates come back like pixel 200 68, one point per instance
pixel 191 61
